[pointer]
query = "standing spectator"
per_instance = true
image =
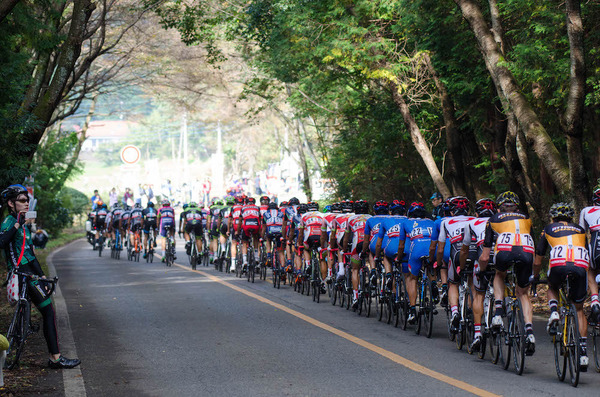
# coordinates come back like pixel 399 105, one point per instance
pixel 142 195
pixel 112 197
pixel 128 197
pixel 150 193
pixel 206 186
pixel 95 198
pixel 436 200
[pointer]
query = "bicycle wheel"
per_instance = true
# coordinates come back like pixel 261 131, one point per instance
pixel 428 306
pixel 368 300
pixel 334 292
pixel 403 304
pixel 100 245
pixel 16 335
pixel 193 260
pixel 517 337
pixel 451 335
pixel 469 323
pixel 596 346
pixel 418 303
pixel 504 342
pixel 573 345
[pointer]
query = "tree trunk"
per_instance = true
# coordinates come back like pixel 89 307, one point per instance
pixel 574 115
pixel 419 142
pixel 455 170
pixel 536 134
pixel 6 7
pixel 69 52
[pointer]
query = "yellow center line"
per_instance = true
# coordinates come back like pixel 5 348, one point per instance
pixel 361 342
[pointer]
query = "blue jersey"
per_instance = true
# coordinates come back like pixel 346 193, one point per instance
pixel 273 220
pixel 372 229
pixel 419 232
pixel 389 232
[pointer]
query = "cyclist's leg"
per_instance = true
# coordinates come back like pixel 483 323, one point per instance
pixel 578 294
pixel 198 230
pixel 502 262
pixel 453 281
pixel 43 302
pixel 245 241
pixel 523 270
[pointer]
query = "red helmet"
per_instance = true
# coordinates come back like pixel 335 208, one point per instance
pixel 239 200
pixel 485 207
pixel 265 200
pixel 459 205
pixel 250 200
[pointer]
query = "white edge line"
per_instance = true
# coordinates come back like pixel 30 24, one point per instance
pixel 72 378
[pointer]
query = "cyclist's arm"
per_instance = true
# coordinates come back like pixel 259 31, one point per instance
pixel 401 245
pixel 440 251
pixel 432 253
pixel 7 234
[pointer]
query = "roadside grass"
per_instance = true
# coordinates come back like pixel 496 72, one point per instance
pixel 30 377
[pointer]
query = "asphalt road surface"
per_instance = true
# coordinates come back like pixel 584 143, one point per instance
pixel 144 329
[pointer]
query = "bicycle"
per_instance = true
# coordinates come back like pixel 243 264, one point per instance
pixel 466 325
pixel 401 305
pixel 193 255
pixel 315 279
pixel 565 335
pixel 365 298
pixel 426 307
pixel 170 248
pixel 488 314
pixel 251 260
pixel 262 261
pixel 511 335
pixel 205 254
pixel 100 241
pixel 21 327
pixel 150 252
pixel 278 272
pixel 137 245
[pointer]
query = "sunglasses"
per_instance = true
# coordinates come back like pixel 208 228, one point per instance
pixel 22 201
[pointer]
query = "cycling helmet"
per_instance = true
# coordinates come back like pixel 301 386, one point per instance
pixel 446 208
pixel 283 204
pixel 239 200
pixel 416 210
pixel 508 199
pixel 136 205
pixel 150 204
pixel 116 205
pixel 398 207
pixel 347 206
pixel 185 206
pixel 193 205
pixel 273 206
pixel 230 201
pixel 294 201
pixel 312 206
pixel 244 199
pixel 327 209
pixel 302 209
pixel 265 200
pixel 12 192
pixel 219 202
pixel 104 206
pixel 251 200
pixel 165 202
pixel 562 211
pixel 336 208
pixel 381 208
pixel 596 196
pixel 99 203
pixel 459 205
pixel 485 207
pixel 361 207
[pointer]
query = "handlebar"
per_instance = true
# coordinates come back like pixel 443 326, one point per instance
pixel 35 277
pixel 534 285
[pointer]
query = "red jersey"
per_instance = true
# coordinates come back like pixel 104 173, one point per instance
pixel 250 215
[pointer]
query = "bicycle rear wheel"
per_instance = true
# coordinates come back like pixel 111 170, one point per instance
pixel 596 347
pixel 517 339
pixel 573 345
pixel 17 332
pixel 505 343
pixel 560 355
pixel 403 304
pixel 428 307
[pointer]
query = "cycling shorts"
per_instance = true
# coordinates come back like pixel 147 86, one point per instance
pixel 578 284
pixel 418 248
pixel 224 228
pixel 136 226
pixel 248 230
pixel 595 251
pixel 164 227
pixel 149 223
pixel 390 249
pixel 312 241
pixel 99 225
pixel 197 228
pixel 523 264
pixel 214 231
pixel 275 238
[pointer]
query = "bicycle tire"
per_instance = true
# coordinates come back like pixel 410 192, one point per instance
pixel 505 345
pixel 368 300
pixel 16 335
pixel 334 292
pixel 100 245
pixel 573 345
pixel 429 309
pixel 403 305
pixel 596 346
pixel 469 322
pixel 517 332
pixel 451 335
pixel 418 302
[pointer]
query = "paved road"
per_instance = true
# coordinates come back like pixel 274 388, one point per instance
pixel 144 329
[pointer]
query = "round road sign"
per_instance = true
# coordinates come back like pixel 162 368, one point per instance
pixel 130 154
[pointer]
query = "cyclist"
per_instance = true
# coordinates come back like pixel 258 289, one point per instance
pixel 193 221
pixel 124 223
pixel 420 230
pixel 250 224
pixel 388 238
pixel 510 229
pixel 114 220
pixel 326 241
pixel 222 223
pixel 309 235
pixel 15 239
pixel 264 205
pixel 589 219
pixel 338 232
pixel 355 233
pixel 149 214
pixel 166 223
pixel 443 266
pixel 272 222
pixel 135 218
pixel 471 249
pixel 234 228
pixel 214 214
pixel 568 256
pixel 452 232
pixel 381 210
pixel 182 218
pixel 99 221
pixel 289 216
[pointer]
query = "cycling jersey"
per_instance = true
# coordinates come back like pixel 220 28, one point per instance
pixel 273 220
pixel 250 215
pixel 100 218
pixel 438 226
pixel 356 226
pixel 167 219
pixel 224 215
pixel 193 221
pixel 473 238
pixel 511 231
pixel 328 220
pixel 452 232
pixel 136 216
pixel 389 233
pixel 372 229
pixel 125 219
pixel 150 214
pixel 11 240
pixel 235 213
pixel 339 227
pixel 311 223
pixel 263 209
pixel 116 216
pixel 417 233
pixel 205 213
pixel 568 255
pixel 589 219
